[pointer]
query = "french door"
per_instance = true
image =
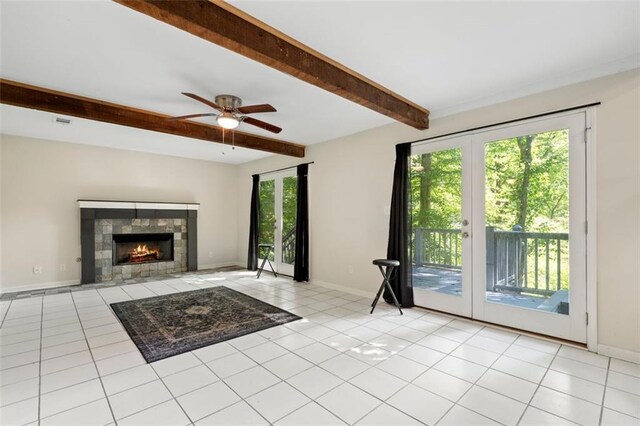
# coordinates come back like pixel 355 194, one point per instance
pixel 498 226
pixel 441 217
pixel 277 214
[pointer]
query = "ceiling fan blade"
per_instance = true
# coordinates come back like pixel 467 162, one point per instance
pixel 184 117
pixel 262 124
pixel 252 109
pixel 204 101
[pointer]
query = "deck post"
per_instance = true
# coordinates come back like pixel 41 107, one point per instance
pixel 491 257
pixel 419 247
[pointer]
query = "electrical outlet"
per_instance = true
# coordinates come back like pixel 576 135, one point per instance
pixel 350 269
pixel 387 210
pixel 37 269
pixel 63 267
pixel 210 254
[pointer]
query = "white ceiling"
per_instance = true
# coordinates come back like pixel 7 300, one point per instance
pixel 445 56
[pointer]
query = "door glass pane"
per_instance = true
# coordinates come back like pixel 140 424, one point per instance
pixel 266 229
pixel 436 200
pixel 527 221
pixel 289 209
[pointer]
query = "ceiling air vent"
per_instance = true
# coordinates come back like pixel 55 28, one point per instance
pixel 61 120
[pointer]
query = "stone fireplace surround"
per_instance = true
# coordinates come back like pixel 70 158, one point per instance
pixel 99 220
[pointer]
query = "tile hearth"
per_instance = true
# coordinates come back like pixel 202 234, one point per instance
pixel 65 359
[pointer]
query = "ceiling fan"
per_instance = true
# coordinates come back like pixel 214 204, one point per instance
pixel 232 113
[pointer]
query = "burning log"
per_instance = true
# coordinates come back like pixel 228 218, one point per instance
pixel 143 254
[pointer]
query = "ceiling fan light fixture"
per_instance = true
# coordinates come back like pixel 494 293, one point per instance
pixel 226 120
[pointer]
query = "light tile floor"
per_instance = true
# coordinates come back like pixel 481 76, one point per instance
pixel 65 359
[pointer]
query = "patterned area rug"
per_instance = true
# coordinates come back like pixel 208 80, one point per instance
pixel 169 325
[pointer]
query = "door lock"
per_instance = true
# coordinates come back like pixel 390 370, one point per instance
pixel 465 222
pixel 465 235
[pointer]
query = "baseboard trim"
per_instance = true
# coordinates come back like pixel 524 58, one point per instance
pixel 332 286
pixel 623 354
pixel 219 265
pixel 54 284
pixel 39 286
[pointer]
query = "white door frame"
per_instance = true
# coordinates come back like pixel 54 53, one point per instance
pixel 458 305
pixel 572 326
pixel 590 208
pixel 278 177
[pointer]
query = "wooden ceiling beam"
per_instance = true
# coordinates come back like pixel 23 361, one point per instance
pixel 220 23
pixel 26 96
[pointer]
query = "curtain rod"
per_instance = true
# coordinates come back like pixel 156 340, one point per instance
pixel 544 114
pixel 285 168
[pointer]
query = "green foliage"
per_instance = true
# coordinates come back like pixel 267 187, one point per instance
pixel 289 203
pixel 547 209
pixel 267 214
pixel 445 199
pixel 547 204
pixel 527 184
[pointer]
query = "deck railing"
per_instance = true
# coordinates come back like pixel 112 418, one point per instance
pixel 532 262
pixel 438 247
pixel 289 247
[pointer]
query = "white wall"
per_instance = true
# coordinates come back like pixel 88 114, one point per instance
pixel 349 186
pixel 42 179
pixel 350 183
pixel 0 210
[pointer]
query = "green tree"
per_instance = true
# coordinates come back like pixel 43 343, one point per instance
pixel 436 189
pixel 267 214
pixel 527 182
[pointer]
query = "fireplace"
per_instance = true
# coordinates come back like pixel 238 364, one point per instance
pixel 142 248
pixel 124 240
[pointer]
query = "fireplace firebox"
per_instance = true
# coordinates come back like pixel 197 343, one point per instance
pixel 142 248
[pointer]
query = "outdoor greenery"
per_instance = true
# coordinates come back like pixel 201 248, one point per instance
pixel 527 182
pixel 267 216
pixel 526 189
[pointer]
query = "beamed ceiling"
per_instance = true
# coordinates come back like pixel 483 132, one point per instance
pixel 444 56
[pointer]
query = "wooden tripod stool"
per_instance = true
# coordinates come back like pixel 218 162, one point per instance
pixel 386 275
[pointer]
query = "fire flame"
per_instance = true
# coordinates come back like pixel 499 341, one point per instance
pixel 142 253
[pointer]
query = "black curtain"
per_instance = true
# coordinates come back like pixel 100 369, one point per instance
pixel 399 227
pixel 301 266
pixel 254 221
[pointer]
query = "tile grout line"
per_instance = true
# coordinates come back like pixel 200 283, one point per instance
pixel 171 393
pixel 222 380
pixel 6 313
pixel 347 352
pixel 174 398
pixel 95 366
pixel 407 383
pixel 142 384
pixel 538 365
pixel 475 383
pixel 604 392
pixel 556 355
pixel 134 367
pixel 233 390
pixel 538 386
pixel 40 363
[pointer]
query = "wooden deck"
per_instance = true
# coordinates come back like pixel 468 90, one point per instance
pixel 449 281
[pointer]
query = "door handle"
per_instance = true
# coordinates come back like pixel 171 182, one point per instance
pixel 465 235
